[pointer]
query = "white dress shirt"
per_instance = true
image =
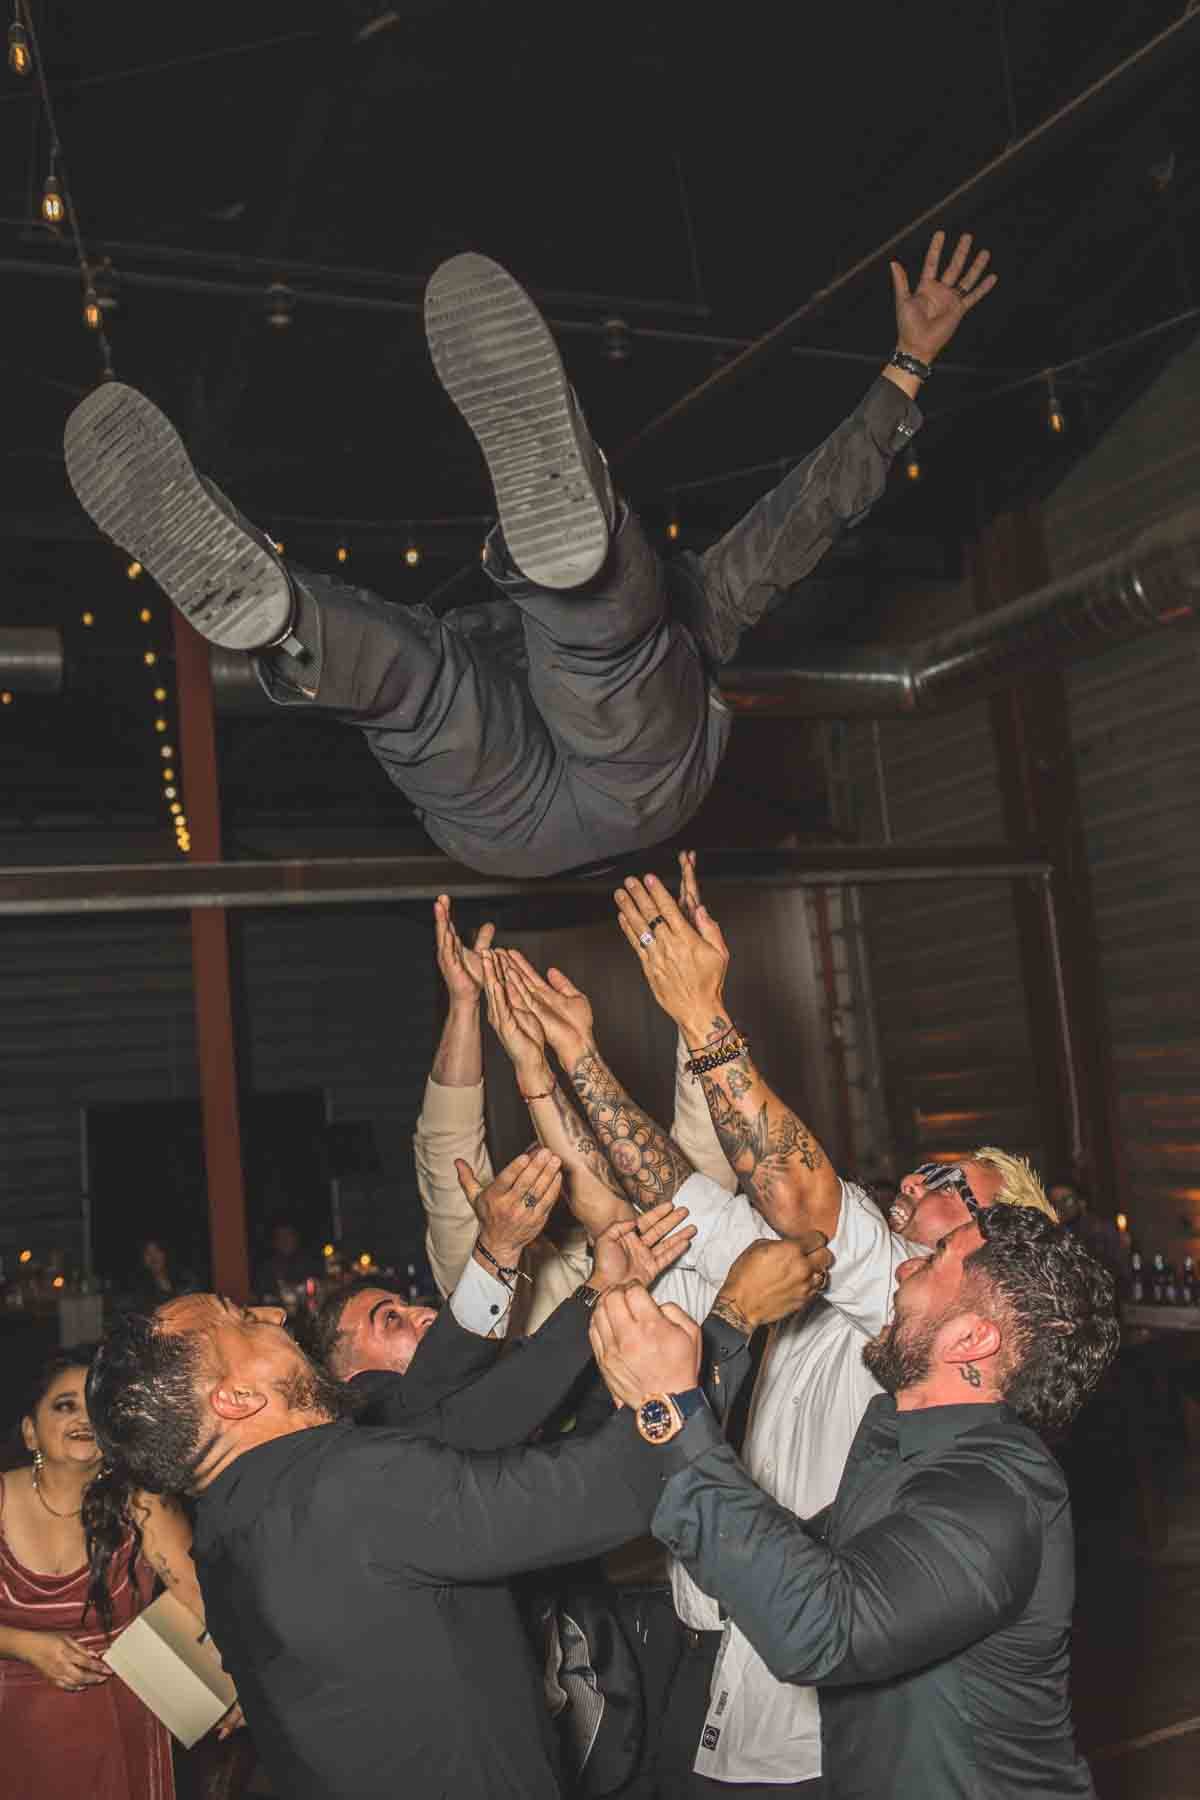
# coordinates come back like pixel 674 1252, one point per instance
pixel 811 1392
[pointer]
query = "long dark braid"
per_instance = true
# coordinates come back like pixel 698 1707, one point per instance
pixel 110 1528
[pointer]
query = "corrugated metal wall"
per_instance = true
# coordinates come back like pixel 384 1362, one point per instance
pixel 1135 722
pixel 101 1010
pixel 944 960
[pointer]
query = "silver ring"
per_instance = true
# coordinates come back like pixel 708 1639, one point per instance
pixel 529 1200
pixel 645 938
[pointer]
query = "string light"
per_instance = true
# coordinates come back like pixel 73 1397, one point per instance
pixel 175 808
pixel 1056 419
pixel 170 792
pixel 160 693
pixel 343 553
pixel 1122 1222
pixel 149 657
pixel 168 774
pixel 6 698
pixel 134 570
pixel 913 469
pixel 93 318
pixel 278 545
pixel 19 59
pixel 25 1256
pixel 160 724
pixel 167 750
pixel 673 526
pixel 278 304
pixel 53 210
pixel 412 552
pixel 87 618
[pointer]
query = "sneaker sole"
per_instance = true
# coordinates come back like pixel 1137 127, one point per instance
pixel 131 473
pixel 497 360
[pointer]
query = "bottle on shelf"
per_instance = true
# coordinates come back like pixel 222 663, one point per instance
pixel 1158 1279
pixel 1187 1283
pixel 1170 1285
pixel 1137 1279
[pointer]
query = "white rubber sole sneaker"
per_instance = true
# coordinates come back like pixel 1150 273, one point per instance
pixel 496 358
pixel 129 468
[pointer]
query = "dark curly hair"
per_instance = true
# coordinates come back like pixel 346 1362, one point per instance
pixel 1061 1311
pixel 320 1337
pixel 76 1356
pixel 145 1407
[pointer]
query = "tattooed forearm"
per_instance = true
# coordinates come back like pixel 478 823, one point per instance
pixel 732 1315
pixel 763 1140
pixel 649 1165
pixel 584 1145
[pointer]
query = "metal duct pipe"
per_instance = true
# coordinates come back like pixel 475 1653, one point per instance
pixel 1153 584
pixel 31 659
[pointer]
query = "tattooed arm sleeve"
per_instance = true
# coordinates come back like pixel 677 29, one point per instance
pixel 649 1165
pixel 594 1194
pixel 777 1159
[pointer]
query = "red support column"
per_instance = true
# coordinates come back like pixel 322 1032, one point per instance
pixel 216 1048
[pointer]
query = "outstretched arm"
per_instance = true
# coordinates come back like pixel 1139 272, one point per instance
pixel 594 1194
pixel 777 1158
pixel 451 1122
pixel 650 1167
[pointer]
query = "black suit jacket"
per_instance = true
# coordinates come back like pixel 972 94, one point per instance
pixel 355 1585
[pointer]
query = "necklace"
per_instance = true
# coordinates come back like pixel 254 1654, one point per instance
pixel 53 1511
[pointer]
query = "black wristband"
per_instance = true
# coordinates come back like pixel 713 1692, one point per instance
pixel 912 365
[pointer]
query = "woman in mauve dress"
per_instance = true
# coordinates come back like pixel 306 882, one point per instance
pixel 69 1728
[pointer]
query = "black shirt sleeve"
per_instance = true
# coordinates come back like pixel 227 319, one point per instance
pixel 505 1403
pixel 956 1559
pixel 454 1517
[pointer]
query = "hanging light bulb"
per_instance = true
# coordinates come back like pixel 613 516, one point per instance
pixel 149 657
pixel 19 59
pixel 913 469
pixel 170 793
pixel 87 618
pixel 1056 418
pixel 343 553
pixel 278 543
pixel 160 694
pixel 412 554
pixel 6 698
pixel 167 751
pixel 618 341
pixel 134 570
pixel 160 724
pixel 673 525
pixel 278 303
pixel 168 774
pixel 93 318
pixel 176 808
pixel 53 210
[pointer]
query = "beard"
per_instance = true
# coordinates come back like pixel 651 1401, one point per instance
pixel 309 1389
pixel 901 1356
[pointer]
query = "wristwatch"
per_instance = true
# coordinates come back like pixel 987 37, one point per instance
pixel 663 1416
pixel 588 1294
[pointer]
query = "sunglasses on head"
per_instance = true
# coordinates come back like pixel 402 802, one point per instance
pixel 937 1175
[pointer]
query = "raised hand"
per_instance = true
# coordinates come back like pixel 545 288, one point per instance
pixel 564 1012
pixel 462 969
pixel 640 1249
pixel 642 1348
pixel 516 1025
pixel 684 963
pixel 513 1208
pixel 928 318
pixel 772 1280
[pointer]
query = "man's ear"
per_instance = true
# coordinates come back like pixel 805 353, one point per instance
pixel 236 1403
pixel 971 1339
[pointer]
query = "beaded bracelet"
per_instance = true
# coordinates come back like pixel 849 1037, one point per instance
pixel 713 1059
pixel 912 365
pixel 508 1276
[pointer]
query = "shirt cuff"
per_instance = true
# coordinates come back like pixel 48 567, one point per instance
pixel 892 419
pixel 452 1108
pixel 481 1302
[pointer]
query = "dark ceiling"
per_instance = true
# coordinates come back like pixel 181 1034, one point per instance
pixel 694 172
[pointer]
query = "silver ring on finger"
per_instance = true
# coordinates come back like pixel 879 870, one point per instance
pixel 529 1200
pixel 645 939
